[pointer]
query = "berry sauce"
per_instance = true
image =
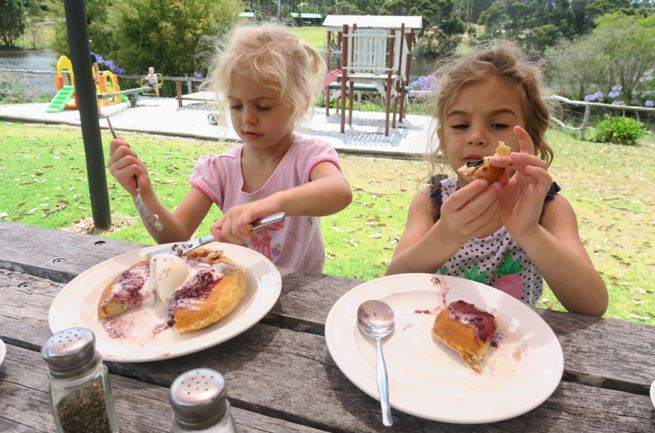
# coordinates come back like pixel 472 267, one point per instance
pixel 483 322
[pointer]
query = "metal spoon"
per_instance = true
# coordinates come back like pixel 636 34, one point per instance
pixel 375 319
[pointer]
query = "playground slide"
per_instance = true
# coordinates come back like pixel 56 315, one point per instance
pixel 58 103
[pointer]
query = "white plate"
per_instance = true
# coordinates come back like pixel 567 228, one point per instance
pixel 3 351
pixel 76 305
pixel 427 379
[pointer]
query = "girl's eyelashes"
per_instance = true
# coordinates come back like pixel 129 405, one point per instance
pixel 259 107
pixel 499 126
pixel 460 126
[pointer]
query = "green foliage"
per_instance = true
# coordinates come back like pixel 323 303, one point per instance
pixel 176 38
pixel 436 43
pixel 443 26
pixel 619 51
pixel 147 33
pixel 620 130
pixel 13 90
pixel 572 68
pixel 12 21
pixel 537 25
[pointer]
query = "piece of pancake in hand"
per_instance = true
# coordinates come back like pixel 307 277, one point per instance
pixel 467 330
pixel 482 169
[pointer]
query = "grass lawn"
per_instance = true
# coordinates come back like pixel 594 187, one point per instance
pixel 44 183
pixel 314 36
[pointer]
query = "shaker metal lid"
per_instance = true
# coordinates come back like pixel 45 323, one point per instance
pixel 199 398
pixel 69 351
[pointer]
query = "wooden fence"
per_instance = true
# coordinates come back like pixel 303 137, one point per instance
pixel 587 112
pixel 178 80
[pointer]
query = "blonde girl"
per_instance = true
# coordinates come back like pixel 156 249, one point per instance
pixel 267 78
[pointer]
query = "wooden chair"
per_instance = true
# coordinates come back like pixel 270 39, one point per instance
pixel 375 58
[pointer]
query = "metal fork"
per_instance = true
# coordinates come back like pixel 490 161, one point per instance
pixel 141 207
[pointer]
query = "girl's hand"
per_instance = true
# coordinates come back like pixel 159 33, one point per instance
pixel 235 225
pixel 124 165
pixel 471 212
pixel 521 199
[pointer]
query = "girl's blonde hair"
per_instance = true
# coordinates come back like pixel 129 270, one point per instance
pixel 504 61
pixel 272 57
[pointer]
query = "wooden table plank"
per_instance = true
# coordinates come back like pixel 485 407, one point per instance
pixel 296 390
pixel 54 254
pixel 140 407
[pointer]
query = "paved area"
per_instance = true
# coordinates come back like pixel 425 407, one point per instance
pixel 162 116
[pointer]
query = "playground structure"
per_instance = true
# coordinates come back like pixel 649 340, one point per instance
pixel 108 90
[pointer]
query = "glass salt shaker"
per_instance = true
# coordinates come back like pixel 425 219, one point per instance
pixel 80 393
pixel 200 404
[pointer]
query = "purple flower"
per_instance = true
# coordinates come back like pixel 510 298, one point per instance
pixel 613 93
pixel 425 83
pixel 618 103
pixel 649 103
pixel 594 96
pixel 617 88
pixel 100 59
pixel 197 75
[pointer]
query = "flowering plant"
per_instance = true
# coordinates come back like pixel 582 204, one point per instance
pixel 594 97
pixel 109 64
pixel 427 83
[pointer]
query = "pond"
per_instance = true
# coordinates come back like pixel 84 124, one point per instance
pixel 46 60
pixel 34 60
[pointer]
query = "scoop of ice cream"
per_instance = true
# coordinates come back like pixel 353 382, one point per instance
pixel 167 274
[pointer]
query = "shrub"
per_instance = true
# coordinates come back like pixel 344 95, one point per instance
pixel 14 90
pixel 620 130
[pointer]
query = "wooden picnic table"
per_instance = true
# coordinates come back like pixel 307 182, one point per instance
pixel 280 375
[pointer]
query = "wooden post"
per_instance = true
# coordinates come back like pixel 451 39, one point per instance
pixel 351 84
pixel 585 121
pixel 410 41
pixel 344 75
pixel 85 93
pixel 387 102
pixel 178 92
pixel 328 60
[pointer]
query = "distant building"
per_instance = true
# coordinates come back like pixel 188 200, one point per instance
pixel 307 19
pixel 247 17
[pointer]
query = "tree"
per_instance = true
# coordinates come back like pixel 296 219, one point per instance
pixel 619 51
pixel 12 21
pixel 34 20
pixel 443 28
pixel 628 42
pixel 574 68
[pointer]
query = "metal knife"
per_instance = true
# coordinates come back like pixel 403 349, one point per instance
pixel 182 248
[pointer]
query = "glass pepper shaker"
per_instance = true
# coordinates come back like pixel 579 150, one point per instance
pixel 80 393
pixel 200 404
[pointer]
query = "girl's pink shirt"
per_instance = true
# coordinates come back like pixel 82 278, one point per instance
pixel 297 242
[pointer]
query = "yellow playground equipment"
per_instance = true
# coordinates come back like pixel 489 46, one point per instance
pixel 150 91
pixel 106 82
